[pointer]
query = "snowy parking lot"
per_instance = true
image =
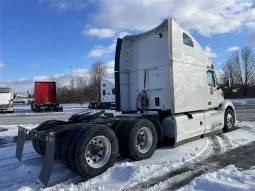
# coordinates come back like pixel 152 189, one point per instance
pixel 168 169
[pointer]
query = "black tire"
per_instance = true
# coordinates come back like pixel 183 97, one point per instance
pixel 107 106
pixel 66 143
pixel 229 120
pixel 73 145
pixel 121 132
pixel 128 136
pixel 114 126
pixel 84 168
pixel 37 108
pixel 38 145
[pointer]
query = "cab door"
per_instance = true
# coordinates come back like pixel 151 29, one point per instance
pixel 212 92
pixel 213 117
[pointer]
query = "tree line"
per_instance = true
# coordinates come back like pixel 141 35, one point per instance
pixel 82 88
pixel 240 70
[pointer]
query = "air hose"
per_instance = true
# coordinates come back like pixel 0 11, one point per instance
pixel 142 98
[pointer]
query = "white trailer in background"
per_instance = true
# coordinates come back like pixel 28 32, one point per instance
pixel 167 91
pixel 107 95
pixel 6 100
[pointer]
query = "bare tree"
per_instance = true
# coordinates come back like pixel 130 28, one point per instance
pixel 229 73
pixel 81 83
pixel 97 72
pixel 57 81
pixel 243 68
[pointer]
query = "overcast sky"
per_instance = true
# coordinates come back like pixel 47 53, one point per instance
pixel 42 38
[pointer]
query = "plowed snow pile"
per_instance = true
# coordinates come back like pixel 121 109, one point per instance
pixel 125 173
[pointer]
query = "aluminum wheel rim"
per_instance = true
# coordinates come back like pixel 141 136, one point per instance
pixel 144 140
pixel 98 151
pixel 229 120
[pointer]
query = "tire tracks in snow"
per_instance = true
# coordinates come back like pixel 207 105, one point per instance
pixel 182 175
pixel 243 157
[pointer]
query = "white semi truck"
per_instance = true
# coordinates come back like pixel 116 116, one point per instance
pixel 107 95
pixel 166 90
pixel 6 100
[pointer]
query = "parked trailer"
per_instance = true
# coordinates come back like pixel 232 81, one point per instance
pixel 107 95
pixel 6 100
pixel 45 97
pixel 167 91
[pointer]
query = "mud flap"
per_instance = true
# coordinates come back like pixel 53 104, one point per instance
pixel 48 160
pixel 22 136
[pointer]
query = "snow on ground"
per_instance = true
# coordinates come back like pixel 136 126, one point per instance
pixel 229 178
pixel 124 174
pixel 9 132
pixel 21 110
pixel 225 179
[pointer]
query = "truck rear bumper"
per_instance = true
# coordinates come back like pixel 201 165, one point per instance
pixel 48 160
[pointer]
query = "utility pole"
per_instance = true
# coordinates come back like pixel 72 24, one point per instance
pixel 71 78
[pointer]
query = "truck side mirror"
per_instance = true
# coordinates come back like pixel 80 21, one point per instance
pixel 14 96
pixel 227 83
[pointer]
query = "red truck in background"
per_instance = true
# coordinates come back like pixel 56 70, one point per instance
pixel 45 97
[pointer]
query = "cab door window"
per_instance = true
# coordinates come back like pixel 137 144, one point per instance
pixel 210 79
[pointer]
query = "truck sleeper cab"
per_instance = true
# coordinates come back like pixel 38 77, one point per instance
pixel 45 97
pixel 107 95
pixel 166 91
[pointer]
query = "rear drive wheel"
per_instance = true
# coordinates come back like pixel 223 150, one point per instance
pixel 37 108
pixel 139 139
pixel 229 120
pixel 38 145
pixel 65 148
pixel 96 151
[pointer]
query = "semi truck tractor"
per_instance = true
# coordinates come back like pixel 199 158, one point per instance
pixel 166 91
pixel 45 97
pixel 107 95
pixel 6 100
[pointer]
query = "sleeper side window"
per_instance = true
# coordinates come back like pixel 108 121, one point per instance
pixel 187 40
pixel 210 79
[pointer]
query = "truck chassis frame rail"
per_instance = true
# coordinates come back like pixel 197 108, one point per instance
pixel 48 160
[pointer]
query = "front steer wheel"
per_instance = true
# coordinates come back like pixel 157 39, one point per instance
pixel 229 120
pixel 96 150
